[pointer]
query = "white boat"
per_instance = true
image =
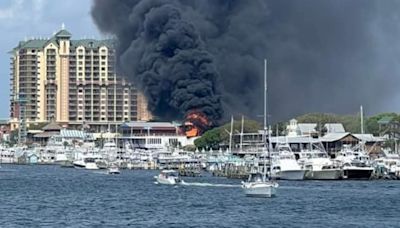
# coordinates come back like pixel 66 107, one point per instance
pixel 90 164
pixel 320 167
pixel 86 163
pixel 7 155
pixel 258 185
pixel 284 164
pixel 355 164
pixel 113 169
pixel 318 164
pixel 168 177
pixel 390 162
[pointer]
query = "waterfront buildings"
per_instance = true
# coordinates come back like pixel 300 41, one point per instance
pixel 71 82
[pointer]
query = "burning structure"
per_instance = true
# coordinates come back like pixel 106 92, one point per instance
pixel 167 59
pixel 196 123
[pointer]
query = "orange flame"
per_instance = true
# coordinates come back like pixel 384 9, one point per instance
pixel 196 123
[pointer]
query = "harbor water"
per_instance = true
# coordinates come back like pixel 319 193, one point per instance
pixel 50 196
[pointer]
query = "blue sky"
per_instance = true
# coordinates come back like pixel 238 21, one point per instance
pixel 20 19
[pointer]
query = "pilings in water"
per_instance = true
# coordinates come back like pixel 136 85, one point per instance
pixel 189 170
pixel 232 171
pixel 383 173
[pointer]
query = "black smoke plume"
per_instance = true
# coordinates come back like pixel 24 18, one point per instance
pixel 329 56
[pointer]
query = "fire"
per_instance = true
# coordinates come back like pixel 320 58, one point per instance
pixel 196 123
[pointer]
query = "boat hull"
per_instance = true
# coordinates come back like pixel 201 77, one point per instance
pixel 292 175
pixel 261 190
pixel 79 164
pixel 357 173
pixel 166 181
pixel 114 172
pixel 328 174
pixel 91 166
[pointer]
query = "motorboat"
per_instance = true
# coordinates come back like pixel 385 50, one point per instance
pixel 257 186
pixel 284 164
pixel 168 177
pixel 355 164
pixel 390 163
pixel 319 166
pixel 90 163
pixel 86 163
pixel 113 169
pixel 7 155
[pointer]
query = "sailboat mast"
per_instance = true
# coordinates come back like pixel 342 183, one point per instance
pixel 265 121
pixel 241 135
pixel 230 136
pixel 265 104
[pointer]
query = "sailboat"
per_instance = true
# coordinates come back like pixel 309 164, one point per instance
pixel 258 184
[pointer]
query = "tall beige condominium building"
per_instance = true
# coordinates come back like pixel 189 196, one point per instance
pixel 142 110
pixel 73 82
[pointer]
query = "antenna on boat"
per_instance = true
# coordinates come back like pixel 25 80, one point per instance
pixel 362 119
pixel 241 135
pixel 230 136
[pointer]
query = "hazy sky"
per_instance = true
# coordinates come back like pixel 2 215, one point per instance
pixel 20 19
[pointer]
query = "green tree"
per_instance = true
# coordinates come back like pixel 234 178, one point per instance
pixel 280 128
pixel 372 125
pixel 215 137
pixel 65 143
pixel 37 126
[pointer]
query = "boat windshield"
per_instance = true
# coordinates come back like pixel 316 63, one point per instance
pixel 321 155
pixel 170 174
pixel 255 177
pixel 87 160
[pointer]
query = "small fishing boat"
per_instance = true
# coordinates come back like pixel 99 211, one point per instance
pixel 169 177
pixel 258 186
pixel 113 169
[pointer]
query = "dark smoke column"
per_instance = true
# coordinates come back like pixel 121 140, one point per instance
pixel 164 55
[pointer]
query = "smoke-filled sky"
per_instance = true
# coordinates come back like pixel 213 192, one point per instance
pixel 323 56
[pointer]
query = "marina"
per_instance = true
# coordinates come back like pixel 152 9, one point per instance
pixel 235 113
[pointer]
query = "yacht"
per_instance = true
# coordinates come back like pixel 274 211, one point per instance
pixel 113 169
pixel 7 155
pixel 390 162
pixel 88 161
pixel 355 164
pixel 284 164
pixel 168 177
pixel 317 163
pixel 319 166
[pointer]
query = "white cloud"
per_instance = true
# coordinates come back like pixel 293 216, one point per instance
pixel 11 11
pixel 21 11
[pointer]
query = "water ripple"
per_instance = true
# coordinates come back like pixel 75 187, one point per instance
pixel 49 196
